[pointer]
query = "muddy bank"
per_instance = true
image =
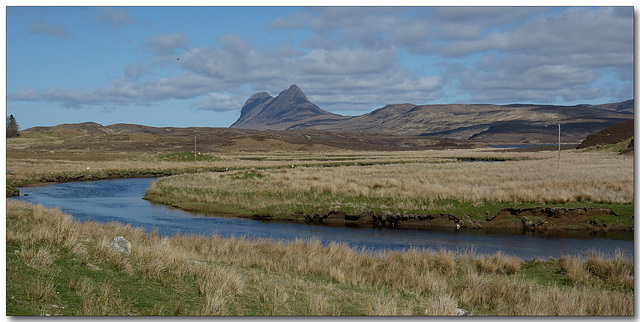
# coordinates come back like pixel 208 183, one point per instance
pixel 537 218
pixel 534 218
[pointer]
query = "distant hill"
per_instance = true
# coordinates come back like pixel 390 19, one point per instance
pixel 611 135
pixel 133 137
pixel 522 123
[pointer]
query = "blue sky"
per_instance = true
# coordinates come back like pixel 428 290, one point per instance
pixel 196 66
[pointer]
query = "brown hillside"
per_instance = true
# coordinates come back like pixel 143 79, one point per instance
pixel 487 123
pixel 133 137
pixel 611 135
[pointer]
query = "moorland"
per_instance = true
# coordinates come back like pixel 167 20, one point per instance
pixel 58 266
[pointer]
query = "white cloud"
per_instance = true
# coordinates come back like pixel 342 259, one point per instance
pixel 539 49
pixel 23 94
pixel 134 71
pixel 167 44
pixel 495 83
pixel 113 18
pixel 340 79
pixel 219 102
pixel 344 61
pixel 55 30
pixel 575 30
pixel 351 59
pixel 548 57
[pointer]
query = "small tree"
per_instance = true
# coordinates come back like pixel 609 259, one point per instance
pixel 12 127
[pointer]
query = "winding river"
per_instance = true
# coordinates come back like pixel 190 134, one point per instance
pixel 120 200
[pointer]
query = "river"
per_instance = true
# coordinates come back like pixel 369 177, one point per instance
pixel 120 200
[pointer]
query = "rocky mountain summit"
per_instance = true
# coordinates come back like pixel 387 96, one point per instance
pixel 290 109
pixel 518 123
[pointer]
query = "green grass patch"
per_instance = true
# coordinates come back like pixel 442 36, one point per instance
pixel 246 175
pixel 71 286
pixel 545 272
pixel 616 147
pixel 486 159
pixel 187 156
pixel 11 191
pixel 615 222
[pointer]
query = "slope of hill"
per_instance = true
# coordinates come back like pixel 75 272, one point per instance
pixel 611 135
pixel 522 123
pixel 133 137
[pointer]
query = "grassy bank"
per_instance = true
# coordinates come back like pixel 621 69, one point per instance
pixel 432 185
pixel 26 167
pixel 56 266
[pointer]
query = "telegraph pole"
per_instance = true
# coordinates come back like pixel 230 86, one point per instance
pixel 195 154
pixel 558 146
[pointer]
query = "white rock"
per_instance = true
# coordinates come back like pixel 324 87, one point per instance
pixel 460 311
pixel 121 244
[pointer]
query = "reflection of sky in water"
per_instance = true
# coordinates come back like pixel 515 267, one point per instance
pixel 121 200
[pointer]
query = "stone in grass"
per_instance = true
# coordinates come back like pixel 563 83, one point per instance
pixel 461 312
pixel 121 244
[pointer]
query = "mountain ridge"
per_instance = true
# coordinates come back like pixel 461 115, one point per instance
pixel 527 123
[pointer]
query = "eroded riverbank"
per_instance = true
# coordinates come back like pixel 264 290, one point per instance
pixel 119 200
pixel 532 218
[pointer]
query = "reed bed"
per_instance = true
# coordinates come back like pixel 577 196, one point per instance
pixel 435 182
pixel 210 275
pixel 58 166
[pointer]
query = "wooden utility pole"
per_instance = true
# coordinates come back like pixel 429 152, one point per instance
pixel 558 146
pixel 195 154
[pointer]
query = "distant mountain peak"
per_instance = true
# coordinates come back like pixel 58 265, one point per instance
pixel 290 108
pixel 528 123
pixel 258 96
pixel 294 90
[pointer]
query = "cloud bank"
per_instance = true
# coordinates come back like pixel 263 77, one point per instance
pixel 352 59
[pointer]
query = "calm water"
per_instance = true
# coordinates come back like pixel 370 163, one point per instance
pixel 121 200
pixel 518 146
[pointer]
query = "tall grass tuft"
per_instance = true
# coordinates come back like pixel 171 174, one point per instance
pixel 615 269
pixel 441 304
pixel 106 300
pixel 321 305
pixel 269 277
pixel 572 266
pixel 41 290
pixel 39 257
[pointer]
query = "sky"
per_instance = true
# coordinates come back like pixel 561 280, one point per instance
pixel 196 66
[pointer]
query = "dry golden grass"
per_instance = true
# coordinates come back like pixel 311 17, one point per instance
pixel 36 257
pixel 275 276
pixel 61 166
pixel 597 267
pixel 239 277
pixel 616 269
pixel 576 275
pixel 442 304
pixel 598 177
